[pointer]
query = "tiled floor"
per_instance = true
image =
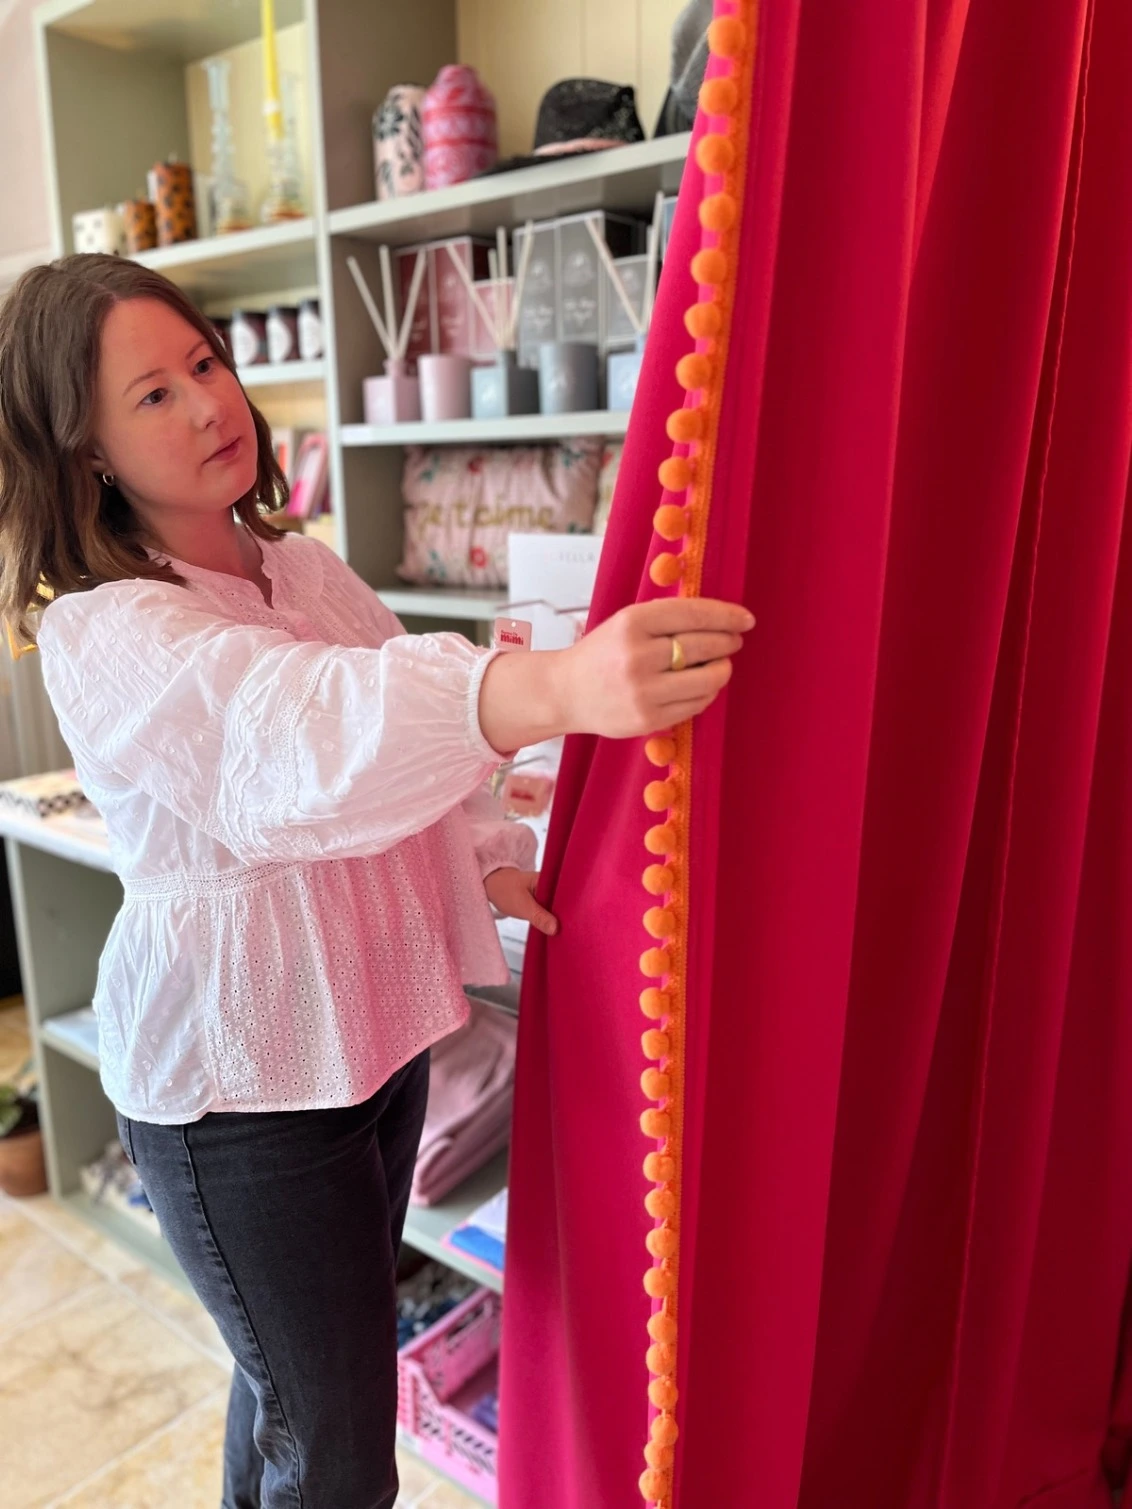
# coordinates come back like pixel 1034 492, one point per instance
pixel 113 1382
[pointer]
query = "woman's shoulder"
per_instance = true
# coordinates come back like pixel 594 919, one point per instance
pixel 109 599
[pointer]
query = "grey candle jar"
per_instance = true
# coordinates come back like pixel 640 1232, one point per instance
pixel 504 388
pixel 567 375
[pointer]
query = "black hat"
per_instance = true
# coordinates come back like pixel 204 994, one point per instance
pixel 581 115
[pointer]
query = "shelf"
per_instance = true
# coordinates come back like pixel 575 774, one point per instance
pixel 246 264
pixel 153 1250
pixel 463 603
pixel 517 428
pixel 167 27
pixel 425 1230
pixel 70 1034
pixel 54 835
pixel 282 375
pixel 621 178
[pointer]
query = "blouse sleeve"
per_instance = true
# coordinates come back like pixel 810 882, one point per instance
pixel 279 749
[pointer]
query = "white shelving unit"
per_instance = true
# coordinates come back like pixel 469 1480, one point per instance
pixel 283 375
pixel 246 264
pixel 528 429
pixel 464 604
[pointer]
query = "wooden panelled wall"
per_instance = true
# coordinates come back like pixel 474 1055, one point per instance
pixel 522 46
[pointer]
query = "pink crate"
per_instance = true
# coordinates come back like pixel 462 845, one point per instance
pixel 440 1376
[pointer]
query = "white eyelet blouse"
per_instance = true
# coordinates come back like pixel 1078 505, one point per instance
pixel 295 800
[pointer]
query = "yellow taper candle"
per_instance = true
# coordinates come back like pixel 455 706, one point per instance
pixel 272 106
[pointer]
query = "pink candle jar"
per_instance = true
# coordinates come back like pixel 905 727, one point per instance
pixel 461 134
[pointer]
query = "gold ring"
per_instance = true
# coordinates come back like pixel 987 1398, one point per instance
pixel 678 661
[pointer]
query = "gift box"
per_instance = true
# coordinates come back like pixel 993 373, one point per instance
pixel 455 312
pixel 581 278
pixel 41 795
pixel 538 307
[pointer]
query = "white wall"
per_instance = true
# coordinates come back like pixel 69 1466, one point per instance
pixel 25 225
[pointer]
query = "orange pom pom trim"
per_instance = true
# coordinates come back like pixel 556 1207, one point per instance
pixel 662 1328
pixel 671 521
pixel 656 962
pixel 703 321
pixel 653 1485
pixel 718 212
pixel 659 1283
pixel 686 425
pixel 719 96
pixel 675 474
pixel 659 795
pixel 660 1203
pixel 708 321
pixel 660 921
pixel 662 839
pixel 660 750
pixel 709 266
pixel 715 153
pixel 655 1043
pixel 693 371
pixel 655 1003
pixel 666 570
pixel 665 1431
pixel 660 1167
pixel 662 1242
pixel 661 1359
pixel 655 1084
pixel 726 36
pixel 659 879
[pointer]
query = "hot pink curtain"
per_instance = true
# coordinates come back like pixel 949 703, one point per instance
pixel 907 1226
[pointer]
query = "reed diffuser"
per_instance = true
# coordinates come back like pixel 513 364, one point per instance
pixel 396 397
pixel 504 387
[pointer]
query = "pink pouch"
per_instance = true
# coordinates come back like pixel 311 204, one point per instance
pixel 462 504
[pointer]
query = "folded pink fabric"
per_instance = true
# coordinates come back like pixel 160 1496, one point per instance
pixel 469 1104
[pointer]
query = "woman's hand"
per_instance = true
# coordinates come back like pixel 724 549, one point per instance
pixel 619 680
pixel 511 893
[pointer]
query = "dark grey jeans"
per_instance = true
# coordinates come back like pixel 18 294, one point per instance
pixel 288 1226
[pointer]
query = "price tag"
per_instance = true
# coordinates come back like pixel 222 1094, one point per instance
pixel 512 634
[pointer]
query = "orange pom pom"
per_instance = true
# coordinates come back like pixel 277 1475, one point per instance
pixel 653 1485
pixel 660 921
pixel 656 962
pixel 655 1003
pixel 703 321
pixel 660 795
pixel 719 96
pixel 661 1359
pixel 660 1203
pixel 666 570
pixel 718 212
pixel 693 371
pixel 662 1242
pixel 709 266
pixel 686 425
pixel 656 1044
pixel 659 1456
pixel 670 521
pixel 663 1394
pixel 659 879
pixel 655 1086
pixel 656 1124
pixel 660 751
pixel 715 153
pixel 660 1283
pixel 660 1167
pixel 661 839
pixel 675 474
pixel 662 1327
pixel 665 1431
pixel 726 36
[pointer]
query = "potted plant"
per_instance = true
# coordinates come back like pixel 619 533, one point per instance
pixel 22 1170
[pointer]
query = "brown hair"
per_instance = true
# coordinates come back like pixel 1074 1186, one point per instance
pixel 61 527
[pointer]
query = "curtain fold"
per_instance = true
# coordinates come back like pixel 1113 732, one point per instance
pixel 906 1230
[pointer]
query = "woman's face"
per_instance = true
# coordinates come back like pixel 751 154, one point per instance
pixel 171 421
